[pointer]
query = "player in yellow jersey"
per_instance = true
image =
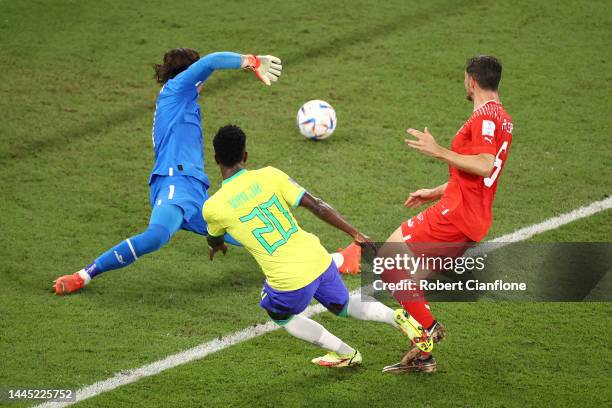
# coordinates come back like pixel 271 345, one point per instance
pixel 254 206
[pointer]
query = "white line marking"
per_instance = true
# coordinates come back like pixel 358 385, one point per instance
pixel 205 349
pixel 195 353
pixel 555 222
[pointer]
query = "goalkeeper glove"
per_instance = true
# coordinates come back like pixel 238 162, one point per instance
pixel 266 67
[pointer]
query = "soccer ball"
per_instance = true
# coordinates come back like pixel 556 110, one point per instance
pixel 316 120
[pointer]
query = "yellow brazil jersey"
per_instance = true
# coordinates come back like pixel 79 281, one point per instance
pixel 254 207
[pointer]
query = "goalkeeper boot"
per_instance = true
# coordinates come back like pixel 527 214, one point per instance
pixel 71 283
pixel 421 364
pixel 351 259
pixel 332 359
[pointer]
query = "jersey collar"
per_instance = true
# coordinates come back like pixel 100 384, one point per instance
pixel 234 176
pixel 484 103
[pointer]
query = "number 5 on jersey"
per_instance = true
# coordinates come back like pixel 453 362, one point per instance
pixel 497 165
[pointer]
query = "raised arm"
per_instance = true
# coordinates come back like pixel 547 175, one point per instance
pixel 477 164
pixel 200 70
pixel 267 68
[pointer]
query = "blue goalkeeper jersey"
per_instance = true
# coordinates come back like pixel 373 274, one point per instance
pixel 177 128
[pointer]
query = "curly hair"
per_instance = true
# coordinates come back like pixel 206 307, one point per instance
pixel 230 144
pixel 175 61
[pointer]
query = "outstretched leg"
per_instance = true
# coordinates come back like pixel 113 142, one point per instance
pixel 165 221
pixel 340 354
pixel 375 311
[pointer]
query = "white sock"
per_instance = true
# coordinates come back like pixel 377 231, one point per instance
pixel 371 310
pixel 85 276
pixel 312 332
pixel 338 259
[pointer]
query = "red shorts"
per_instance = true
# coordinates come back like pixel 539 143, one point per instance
pixel 429 233
pixel 432 238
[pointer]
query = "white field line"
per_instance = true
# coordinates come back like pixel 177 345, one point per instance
pixel 555 222
pixel 205 349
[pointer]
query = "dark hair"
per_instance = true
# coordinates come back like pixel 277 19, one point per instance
pixel 175 61
pixel 229 143
pixel 486 70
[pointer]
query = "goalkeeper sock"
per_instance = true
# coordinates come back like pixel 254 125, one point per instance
pixel 165 221
pixel 308 330
pixel 371 310
pixel 117 257
pixel 338 259
pixel 126 252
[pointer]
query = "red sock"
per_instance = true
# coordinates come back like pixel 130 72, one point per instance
pixel 413 301
pixel 420 311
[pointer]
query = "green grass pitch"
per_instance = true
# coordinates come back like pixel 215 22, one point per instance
pixel 76 104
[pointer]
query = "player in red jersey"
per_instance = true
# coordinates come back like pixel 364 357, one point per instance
pixel 463 214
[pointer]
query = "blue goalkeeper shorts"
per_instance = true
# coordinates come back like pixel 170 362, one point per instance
pixel 185 192
pixel 328 289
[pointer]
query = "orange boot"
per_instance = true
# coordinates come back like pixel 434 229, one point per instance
pixel 351 259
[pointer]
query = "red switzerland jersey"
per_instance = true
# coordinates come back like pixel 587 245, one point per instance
pixel 468 199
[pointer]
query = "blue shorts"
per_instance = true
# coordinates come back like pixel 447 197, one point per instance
pixel 185 192
pixel 328 289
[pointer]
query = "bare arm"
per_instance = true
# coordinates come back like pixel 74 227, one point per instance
pixel 477 164
pixel 331 216
pixel 424 195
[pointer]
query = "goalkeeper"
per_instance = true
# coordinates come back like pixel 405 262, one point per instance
pixel 178 183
